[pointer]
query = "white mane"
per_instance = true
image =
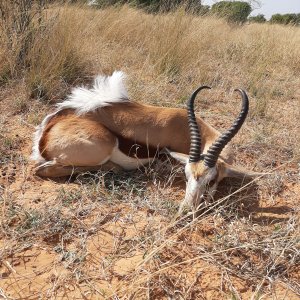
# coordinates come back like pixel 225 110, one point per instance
pixel 106 91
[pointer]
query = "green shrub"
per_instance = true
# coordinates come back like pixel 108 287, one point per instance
pixel 257 19
pixel 154 6
pixel 158 5
pixel 235 12
pixel 292 19
pixel 277 19
pixel 204 10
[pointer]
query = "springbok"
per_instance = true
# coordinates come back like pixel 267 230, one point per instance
pixel 99 128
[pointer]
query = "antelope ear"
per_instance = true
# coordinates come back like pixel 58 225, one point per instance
pixel 181 157
pixel 228 170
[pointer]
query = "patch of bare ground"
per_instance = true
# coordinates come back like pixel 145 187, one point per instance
pixel 114 236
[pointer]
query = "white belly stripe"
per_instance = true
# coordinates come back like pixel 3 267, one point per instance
pixel 127 162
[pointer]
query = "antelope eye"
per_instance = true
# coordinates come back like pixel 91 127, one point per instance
pixel 212 182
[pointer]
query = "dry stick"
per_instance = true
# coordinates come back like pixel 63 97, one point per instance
pixel 15 282
pixel 232 288
pixel 27 124
pixel 155 251
pixel 256 244
pixel 217 252
pixel 2 294
pixel 9 266
pixel 208 255
pixel 186 262
pixel 267 275
pixel 288 286
pixel 195 281
pixel 205 212
pixel 191 223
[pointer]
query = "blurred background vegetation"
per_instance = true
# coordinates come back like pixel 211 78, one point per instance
pixel 39 46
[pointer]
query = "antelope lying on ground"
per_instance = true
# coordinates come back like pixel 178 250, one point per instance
pixel 100 128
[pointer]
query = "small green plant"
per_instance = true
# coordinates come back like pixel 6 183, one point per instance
pixel 31 221
pixel 69 198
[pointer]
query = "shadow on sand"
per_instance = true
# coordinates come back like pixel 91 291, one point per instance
pixel 245 200
pixel 240 197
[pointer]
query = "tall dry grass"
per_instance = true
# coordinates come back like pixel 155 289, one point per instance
pixel 176 45
pixel 166 57
pixel 55 59
pixel 40 48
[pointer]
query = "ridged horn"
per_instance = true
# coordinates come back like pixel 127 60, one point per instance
pixel 216 148
pixel 195 148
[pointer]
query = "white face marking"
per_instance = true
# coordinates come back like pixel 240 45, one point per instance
pixel 195 189
pixel 188 171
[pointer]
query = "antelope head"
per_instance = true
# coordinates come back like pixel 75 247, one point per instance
pixel 205 170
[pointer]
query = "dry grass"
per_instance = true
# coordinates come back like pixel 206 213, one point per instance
pixel 114 236
pixel 45 53
pixel 55 60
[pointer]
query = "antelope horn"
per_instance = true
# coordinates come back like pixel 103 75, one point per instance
pixel 195 148
pixel 216 148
